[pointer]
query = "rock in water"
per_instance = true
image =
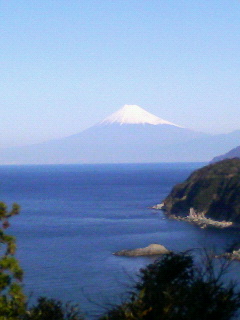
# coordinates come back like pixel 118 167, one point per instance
pixel 151 250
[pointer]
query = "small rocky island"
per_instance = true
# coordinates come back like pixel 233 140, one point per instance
pixel 209 196
pixel 152 249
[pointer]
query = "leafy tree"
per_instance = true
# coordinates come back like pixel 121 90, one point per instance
pixel 12 299
pixel 51 309
pixel 174 288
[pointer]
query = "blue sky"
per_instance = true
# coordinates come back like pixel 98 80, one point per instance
pixel 65 65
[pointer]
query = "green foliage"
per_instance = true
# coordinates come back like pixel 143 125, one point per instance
pixel 12 299
pixel 50 309
pixel 4 214
pixel 173 288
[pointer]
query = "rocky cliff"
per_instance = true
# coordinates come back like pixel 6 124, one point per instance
pixel 211 192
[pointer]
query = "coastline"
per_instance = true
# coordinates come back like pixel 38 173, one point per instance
pixel 200 220
pixel 196 218
pixel 235 255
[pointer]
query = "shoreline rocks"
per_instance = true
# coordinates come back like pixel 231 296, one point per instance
pixel 151 250
pixel 196 218
pixel 213 191
pixel 234 255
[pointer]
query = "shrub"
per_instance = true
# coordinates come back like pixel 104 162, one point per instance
pixel 51 309
pixel 175 288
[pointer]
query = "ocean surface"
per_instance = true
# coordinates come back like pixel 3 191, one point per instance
pixel 73 217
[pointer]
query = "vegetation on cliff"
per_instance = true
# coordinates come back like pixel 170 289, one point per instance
pixel 212 192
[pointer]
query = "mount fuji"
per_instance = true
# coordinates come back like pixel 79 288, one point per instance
pixel 132 114
pixel 129 135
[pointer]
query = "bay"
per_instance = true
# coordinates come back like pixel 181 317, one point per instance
pixel 74 217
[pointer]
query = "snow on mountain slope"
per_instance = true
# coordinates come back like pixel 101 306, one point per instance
pixel 133 114
pixel 130 135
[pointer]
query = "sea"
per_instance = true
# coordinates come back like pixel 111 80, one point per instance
pixel 74 217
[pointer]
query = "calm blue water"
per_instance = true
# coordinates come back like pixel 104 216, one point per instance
pixel 74 217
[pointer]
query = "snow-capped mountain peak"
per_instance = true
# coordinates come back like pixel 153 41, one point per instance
pixel 133 114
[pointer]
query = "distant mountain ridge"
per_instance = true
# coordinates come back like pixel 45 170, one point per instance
pixel 233 153
pixel 130 135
